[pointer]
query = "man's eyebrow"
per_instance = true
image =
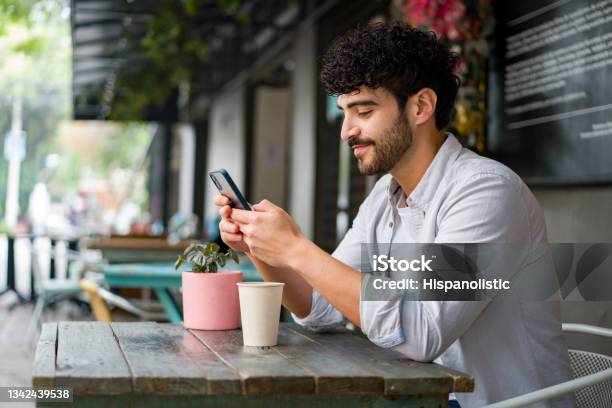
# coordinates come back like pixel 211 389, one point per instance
pixel 360 102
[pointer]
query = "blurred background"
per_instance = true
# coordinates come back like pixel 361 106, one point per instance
pixel 112 111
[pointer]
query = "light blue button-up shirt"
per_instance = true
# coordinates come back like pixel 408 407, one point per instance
pixel 510 348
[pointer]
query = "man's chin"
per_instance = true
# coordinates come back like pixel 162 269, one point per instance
pixel 366 168
pixel 370 166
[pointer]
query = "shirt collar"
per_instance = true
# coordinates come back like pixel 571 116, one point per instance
pixel 438 168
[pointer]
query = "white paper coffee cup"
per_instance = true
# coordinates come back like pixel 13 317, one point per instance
pixel 260 305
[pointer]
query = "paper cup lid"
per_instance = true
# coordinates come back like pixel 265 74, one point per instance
pixel 260 284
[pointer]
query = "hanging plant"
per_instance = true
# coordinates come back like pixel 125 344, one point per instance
pixel 168 59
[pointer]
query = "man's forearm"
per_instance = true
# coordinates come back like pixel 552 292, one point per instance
pixel 335 281
pixel 297 293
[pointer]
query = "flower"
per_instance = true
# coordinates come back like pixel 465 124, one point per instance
pixel 455 20
pixel 443 16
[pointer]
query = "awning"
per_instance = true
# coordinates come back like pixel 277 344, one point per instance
pixel 108 52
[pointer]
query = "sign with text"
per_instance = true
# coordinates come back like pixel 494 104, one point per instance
pixel 552 63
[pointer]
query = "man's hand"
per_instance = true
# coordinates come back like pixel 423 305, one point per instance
pixel 230 232
pixel 270 233
pixel 283 254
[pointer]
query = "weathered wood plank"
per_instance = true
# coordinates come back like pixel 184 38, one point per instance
pixel 43 370
pixel 263 371
pixel 257 401
pixel 461 382
pixel 221 378
pixel 157 360
pixel 334 374
pixel 401 376
pixel 89 359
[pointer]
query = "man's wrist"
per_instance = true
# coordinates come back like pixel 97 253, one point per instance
pixel 258 262
pixel 301 254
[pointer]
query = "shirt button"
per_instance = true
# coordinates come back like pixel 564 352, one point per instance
pixel 391 224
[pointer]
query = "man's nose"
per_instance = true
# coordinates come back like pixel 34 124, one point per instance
pixel 349 130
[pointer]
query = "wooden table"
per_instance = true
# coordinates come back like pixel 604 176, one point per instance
pixel 120 249
pixel 164 365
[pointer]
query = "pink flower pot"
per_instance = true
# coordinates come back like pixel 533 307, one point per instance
pixel 210 300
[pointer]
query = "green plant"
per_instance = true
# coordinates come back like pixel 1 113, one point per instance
pixel 205 257
pixel 173 50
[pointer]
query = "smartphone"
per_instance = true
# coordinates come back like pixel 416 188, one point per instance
pixel 226 186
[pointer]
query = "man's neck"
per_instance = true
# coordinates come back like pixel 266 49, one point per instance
pixel 413 165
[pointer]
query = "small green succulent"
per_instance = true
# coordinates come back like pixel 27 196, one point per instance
pixel 205 257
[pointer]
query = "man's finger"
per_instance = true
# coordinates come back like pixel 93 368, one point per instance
pixel 221 200
pixel 228 226
pixel 264 205
pixel 246 229
pixel 243 216
pixel 228 236
pixel 225 211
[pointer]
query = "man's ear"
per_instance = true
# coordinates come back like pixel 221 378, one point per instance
pixel 423 106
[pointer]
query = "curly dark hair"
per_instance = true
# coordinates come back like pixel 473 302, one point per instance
pixel 397 57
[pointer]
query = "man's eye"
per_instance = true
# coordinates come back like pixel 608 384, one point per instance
pixel 364 114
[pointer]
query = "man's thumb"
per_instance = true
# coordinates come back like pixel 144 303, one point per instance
pixel 264 205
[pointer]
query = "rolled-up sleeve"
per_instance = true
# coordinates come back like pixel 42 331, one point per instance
pixel 484 208
pixel 381 322
pixel 322 314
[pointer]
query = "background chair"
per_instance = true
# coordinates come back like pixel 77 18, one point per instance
pixel 97 303
pixel 592 383
pixel 100 298
pixel 49 290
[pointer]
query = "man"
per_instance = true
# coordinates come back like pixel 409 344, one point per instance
pixel 397 88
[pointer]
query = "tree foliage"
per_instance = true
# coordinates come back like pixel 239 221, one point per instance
pixel 34 61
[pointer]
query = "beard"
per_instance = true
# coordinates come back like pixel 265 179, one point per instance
pixel 388 150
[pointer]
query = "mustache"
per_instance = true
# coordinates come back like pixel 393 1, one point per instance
pixel 355 141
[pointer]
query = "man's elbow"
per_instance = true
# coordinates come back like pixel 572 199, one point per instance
pixel 418 348
pixel 301 313
pixel 418 338
pixel 424 356
pixel 423 348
